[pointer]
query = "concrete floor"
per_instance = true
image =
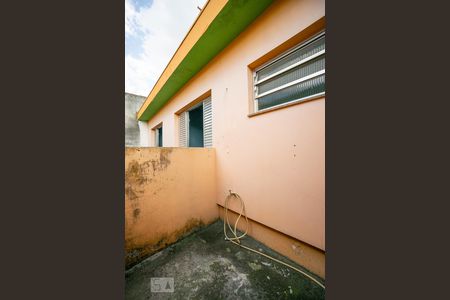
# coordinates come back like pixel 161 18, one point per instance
pixel 205 266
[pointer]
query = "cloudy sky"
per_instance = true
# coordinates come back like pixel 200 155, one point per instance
pixel 153 31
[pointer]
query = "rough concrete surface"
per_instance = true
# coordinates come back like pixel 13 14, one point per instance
pixel 205 266
pixel 132 131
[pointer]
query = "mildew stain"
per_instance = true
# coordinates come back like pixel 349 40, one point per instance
pixel 162 162
pixel 130 193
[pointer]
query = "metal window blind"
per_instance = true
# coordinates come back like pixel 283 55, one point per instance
pixel 184 129
pixel 297 75
pixel 207 123
pixel 156 137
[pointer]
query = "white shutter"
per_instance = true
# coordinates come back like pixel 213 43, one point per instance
pixel 184 134
pixel 207 123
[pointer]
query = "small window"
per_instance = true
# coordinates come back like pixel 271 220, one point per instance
pixel 158 136
pixel 297 75
pixel 196 125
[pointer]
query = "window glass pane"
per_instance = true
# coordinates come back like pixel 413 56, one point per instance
pixel 304 89
pixel 293 57
pixel 160 137
pixel 301 71
pixel 196 127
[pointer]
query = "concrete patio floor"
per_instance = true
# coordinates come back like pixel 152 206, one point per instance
pixel 205 266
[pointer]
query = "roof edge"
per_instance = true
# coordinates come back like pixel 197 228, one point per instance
pixel 219 23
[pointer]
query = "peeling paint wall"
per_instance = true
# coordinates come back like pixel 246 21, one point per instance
pixel 168 193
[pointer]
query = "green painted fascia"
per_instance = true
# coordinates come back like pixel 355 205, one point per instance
pixel 235 16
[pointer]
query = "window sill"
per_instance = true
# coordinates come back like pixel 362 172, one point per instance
pixel 277 107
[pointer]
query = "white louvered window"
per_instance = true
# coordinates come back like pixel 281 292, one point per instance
pixel 207 123
pixel 183 129
pixel 196 125
pixel 297 75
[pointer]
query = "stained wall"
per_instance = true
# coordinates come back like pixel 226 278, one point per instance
pixel 169 192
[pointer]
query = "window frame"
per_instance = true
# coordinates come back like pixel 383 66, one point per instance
pixel 199 101
pixel 302 44
pixel 156 135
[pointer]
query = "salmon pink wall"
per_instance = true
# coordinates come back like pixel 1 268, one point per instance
pixel 276 160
